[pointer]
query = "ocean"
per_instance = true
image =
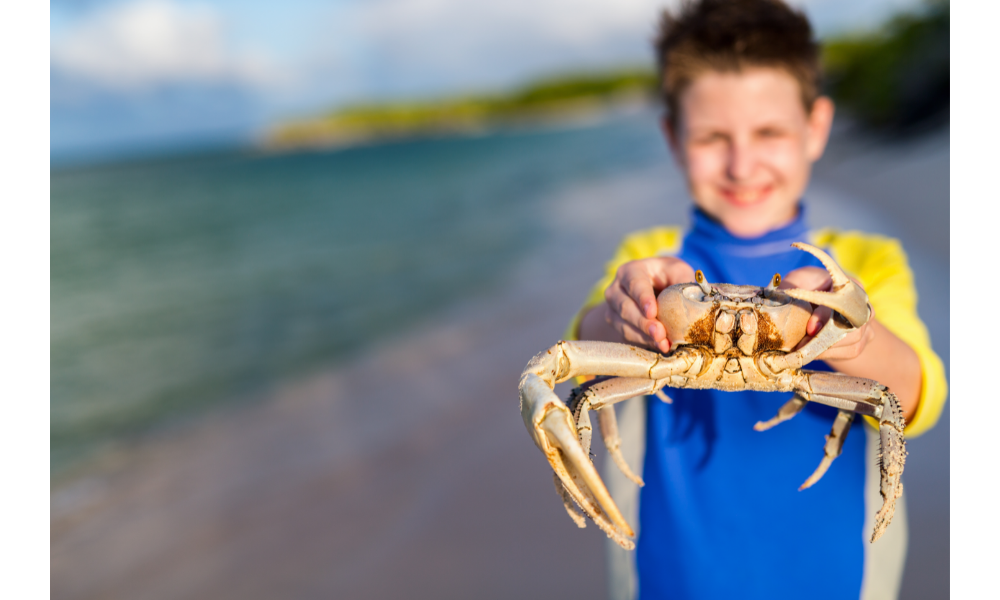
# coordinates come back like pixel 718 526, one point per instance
pixel 183 284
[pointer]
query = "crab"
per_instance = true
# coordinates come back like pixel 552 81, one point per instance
pixel 725 337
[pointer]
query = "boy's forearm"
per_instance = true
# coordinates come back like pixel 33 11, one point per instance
pixel 891 362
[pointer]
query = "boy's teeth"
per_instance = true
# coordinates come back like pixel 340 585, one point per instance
pixel 747 196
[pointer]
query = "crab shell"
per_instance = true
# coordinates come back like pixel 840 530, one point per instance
pixel 752 318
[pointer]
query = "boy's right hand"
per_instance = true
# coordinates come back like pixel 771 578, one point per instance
pixel 630 307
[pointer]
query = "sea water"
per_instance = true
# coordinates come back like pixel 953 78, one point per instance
pixel 181 284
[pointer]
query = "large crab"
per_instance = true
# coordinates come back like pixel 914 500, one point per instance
pixel 725 337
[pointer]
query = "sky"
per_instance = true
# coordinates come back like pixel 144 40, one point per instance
pixel 131 74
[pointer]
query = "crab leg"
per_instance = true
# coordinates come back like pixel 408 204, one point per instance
pixel 867 397
pixel 834 445
pixel 787 411
pixel 550 423
pixel 600 395
pixel 608 421
pixel 605 392
pixel 892 458
pixel 571 509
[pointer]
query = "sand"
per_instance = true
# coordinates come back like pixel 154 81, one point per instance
pixel 407 471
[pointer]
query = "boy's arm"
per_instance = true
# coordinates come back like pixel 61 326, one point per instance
pixel 894 348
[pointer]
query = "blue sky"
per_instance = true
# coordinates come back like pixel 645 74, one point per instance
pixel 148 73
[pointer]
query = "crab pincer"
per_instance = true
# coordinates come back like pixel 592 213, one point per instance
pixel 846 297
pixel 549 421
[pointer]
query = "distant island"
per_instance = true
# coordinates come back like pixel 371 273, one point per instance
pixel 558 98
pixel 893 79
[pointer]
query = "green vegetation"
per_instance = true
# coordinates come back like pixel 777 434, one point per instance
pixel 898 77
pixel 546 100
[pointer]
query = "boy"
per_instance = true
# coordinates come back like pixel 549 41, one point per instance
pixel 720 515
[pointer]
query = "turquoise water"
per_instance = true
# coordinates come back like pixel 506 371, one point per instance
pixel 178 285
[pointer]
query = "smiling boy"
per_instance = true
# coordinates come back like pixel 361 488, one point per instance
pixel 720 515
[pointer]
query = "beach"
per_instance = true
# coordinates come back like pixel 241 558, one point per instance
pixel 404 469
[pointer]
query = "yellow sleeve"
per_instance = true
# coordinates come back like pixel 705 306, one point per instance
pixel 881 265
pixel 657 241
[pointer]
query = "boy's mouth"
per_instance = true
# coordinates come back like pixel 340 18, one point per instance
pixel 744 197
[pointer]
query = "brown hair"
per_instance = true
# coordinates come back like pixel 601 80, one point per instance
pixel 730 35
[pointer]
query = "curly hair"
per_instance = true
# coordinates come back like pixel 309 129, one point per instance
pixel 729 36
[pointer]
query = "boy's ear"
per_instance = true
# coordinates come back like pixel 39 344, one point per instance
pixel 820 121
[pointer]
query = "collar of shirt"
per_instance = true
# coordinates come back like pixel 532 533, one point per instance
pixel 776 241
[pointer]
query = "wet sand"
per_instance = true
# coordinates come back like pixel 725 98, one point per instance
pixel 407 472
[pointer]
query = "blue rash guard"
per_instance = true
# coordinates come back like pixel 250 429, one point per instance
pixel 721 513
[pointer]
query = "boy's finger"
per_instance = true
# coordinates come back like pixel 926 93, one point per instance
pixel 852 346
pixel 806 278
pixel 817 320
pixel 681 272
pixel 651 329
pixel 631 334
pixel 643 331
pixel 657 332
pixel 640 289
pixel 621 308
pixel 623 305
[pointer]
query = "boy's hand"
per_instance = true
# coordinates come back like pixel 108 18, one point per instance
pixel 854 343
pixel 630 307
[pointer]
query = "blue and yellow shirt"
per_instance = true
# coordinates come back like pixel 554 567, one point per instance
pixel 720 515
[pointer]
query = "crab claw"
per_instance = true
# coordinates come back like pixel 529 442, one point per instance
pixel 550 422
pixel 845 297
pixel 551 426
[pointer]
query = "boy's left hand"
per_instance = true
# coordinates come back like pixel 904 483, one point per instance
pixel 853 344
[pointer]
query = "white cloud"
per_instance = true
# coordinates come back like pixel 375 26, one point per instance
pixel 150 42
pixel 418 47
pixel 572 22
pixel 479 28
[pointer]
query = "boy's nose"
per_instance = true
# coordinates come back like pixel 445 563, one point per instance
pixel 741 161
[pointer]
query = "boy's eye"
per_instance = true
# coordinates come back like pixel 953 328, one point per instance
pixel 710 138
pixel 769 132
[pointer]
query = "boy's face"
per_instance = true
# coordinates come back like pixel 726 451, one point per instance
pixel 746 145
